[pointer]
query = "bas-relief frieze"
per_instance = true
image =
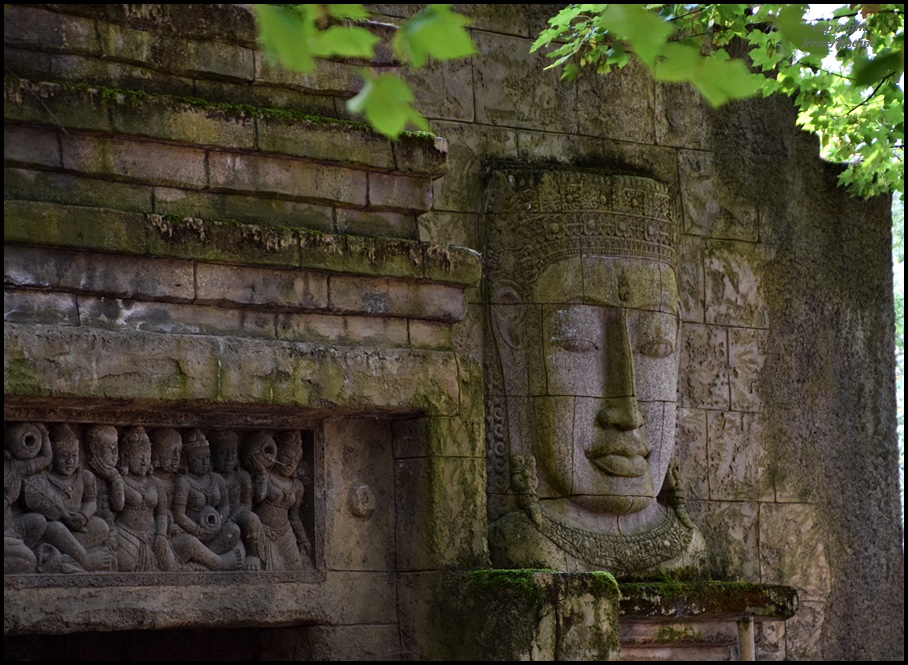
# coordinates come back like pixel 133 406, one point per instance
pixel 99 499
pixel 582 373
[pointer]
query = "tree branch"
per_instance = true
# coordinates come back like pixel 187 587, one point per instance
pixel 870 96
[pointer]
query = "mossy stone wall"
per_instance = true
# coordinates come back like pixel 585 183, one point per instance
pixel 173 199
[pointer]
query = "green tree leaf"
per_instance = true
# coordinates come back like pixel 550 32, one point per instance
pixel 386 102
pixel 351 42
pixel 800 35
pixel 435 32
pixel 355 12
pixel 286 34
pixel 868 71
pixel 718 79
pixel 645 30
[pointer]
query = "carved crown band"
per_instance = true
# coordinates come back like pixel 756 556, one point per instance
pixel 535 217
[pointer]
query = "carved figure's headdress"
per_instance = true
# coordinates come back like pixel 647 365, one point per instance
pixel 194 439
pixel 537 215
pixel 135 435
pixel 224 437
pixel 62 436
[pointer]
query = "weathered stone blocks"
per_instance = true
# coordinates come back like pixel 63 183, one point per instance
pixel 709 209
pixel 704 366
pixel 246 172
pixel 511 91
pixel 734 293
pixel 737 461
pixel 113 275
pixel 747 355
pixel 792 549
pixel 360 479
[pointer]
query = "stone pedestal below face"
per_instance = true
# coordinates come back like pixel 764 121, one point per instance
pixel 529 615
pixel 699 620
pixel 695 640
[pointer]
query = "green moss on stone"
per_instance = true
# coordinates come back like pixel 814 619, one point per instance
pixel 719 599
pixel 136 98
pixel 668 633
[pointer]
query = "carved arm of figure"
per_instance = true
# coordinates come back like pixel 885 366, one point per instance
pixel 180 501
pixel 259 487
pixel 42 460
pixel 296 522
pixel 39 499
pixel 224 506
pixel 77 520
pixel 110 474
pixel 246 499
pixel 162 519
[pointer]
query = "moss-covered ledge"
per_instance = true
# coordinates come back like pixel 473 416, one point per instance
pixel 228 241
pixel 706 600
pixel 200 122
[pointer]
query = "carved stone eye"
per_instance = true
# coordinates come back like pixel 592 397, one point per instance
pixel 657 348
pixel 577 344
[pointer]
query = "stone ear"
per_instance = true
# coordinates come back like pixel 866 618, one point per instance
pixel 507 314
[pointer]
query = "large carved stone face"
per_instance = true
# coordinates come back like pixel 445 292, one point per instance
pixel 602 385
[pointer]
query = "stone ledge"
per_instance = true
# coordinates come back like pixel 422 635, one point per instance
pixel 662 601
pixel 198 122
pixel 343 597
pixel 148 234
pixel 42 361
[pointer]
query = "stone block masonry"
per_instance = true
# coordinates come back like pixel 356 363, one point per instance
pixel 198 238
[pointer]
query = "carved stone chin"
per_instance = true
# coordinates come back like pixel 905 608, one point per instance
pixel 582 377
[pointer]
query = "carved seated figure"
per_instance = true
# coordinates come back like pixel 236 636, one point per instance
pixel 103 455
pixel 225 458
pixel 66 496
pixel 583 307
pixel 166 452
pixel 201 508
pixel 26 452
pixel 277 499
pixel 142 526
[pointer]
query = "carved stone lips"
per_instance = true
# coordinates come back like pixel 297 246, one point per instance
pixel 624 456
pixel 619 465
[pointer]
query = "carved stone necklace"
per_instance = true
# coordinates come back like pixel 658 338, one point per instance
pixel 138 484
pixel 66 485
pixel 209 491
pixel 617 553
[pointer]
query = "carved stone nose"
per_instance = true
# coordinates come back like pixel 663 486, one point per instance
pixel 618 358
pixel 622 413
pixel 619 407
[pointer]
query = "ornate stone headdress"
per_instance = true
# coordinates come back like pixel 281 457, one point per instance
pixel 537 215
pixel 194 439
